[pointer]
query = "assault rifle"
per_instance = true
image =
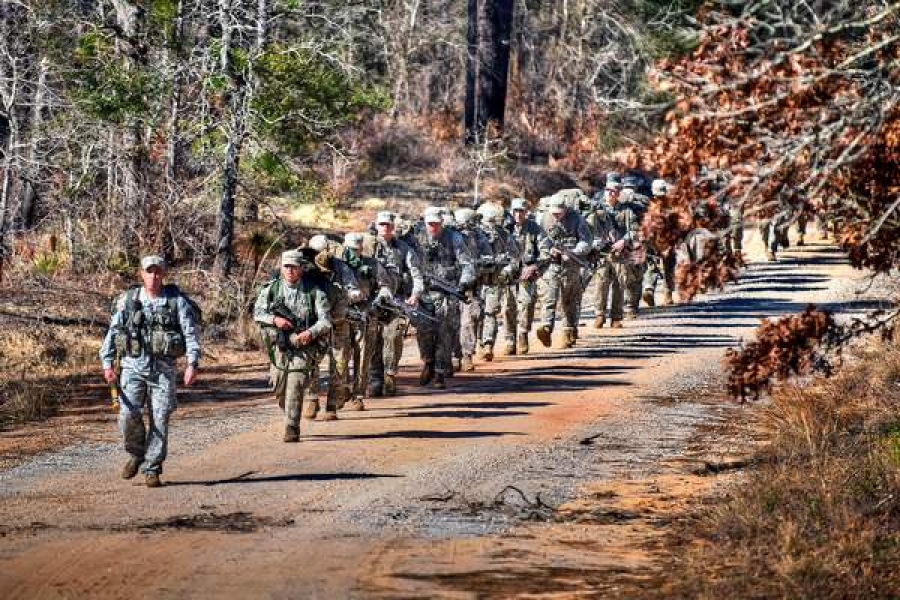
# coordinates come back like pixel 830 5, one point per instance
pixel 571 255
pixel 283 336
pixel 398 307
pixel 438 284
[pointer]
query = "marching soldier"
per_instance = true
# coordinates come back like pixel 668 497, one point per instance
pixel 449 276
pixel 660 266
pixel 571 242
pixel 472 307
pixel 151 327
pixel 616 228
pixel 397 263
pixel 533 243
pixel 498 274
pixel 294 313
pixel 342 288
pixel 362 322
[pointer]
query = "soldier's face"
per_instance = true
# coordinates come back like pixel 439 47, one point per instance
pixel 291 273
pixel 612 196
pixel 558 215
pixel 519 216
pixel 385 230
pixel 153 279
pixel 434 229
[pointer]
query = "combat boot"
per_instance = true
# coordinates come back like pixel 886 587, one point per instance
pixel 327 415
pixel 522 343
pixel 375 390
pixel 648 298
pixel 568 335
pixel 310 409
pixel 509 348
pixel 801 241
pixel 599 322
pixel 390 385
pixel 770 256
pixel 466 363
pixel 439 383
pixel 488 353
pixel 291 434
pixel 667 299
pixel 544 334
pixel 456 363
pixel 616 324
pixel 355 405
pixel 630 315
pixel 153 481
pixel 427 374
pixel 131 467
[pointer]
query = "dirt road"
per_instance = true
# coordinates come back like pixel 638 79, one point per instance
pixel 410 498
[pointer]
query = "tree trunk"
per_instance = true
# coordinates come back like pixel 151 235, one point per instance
pixel 494 31
pixel 225 245
pixel 487 65
pixel 28 206
pixel 471 116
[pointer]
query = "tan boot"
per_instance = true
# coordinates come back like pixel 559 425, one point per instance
pixel 545 335
pixel 310 409
pixel 522 343
pixel 355 405
pixel 327 415
pixel 153 481
pixel 648 298
pixel 616 324
pixel 427 374
pixel 131 468
pixel 568 337
pixel 667 299
pixel 599 322
pixel 770 256
pixel 291 434
pixel 466 364
pixel 390 384
pixel 509 348
pixel 488 352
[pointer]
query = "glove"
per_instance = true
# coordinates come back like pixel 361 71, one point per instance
pixel 384 295
pixel 581 248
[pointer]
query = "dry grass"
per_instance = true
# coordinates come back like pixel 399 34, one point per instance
pixel 821 518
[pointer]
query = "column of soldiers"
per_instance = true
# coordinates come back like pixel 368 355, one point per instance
pixel 452 275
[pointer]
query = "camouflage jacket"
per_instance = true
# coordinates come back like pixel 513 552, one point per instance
pixel 447 257
pixel 400 267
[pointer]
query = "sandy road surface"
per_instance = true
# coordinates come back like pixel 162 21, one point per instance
pixel 407 499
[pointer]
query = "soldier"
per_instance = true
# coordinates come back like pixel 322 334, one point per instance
pixel 503 264
pixel 397 263
pixel 449 275
pixel 342 288
pixel 774 232
pixel 533 243
pixel 659 266
pixel 616 227
pixel 362 322
pixel 293 312
pixel 472 308
pixel 571 242
pixel 636 257
pixel 151 327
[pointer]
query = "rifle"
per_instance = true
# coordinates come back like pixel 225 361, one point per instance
pixel 398 307
pixel 571 255
pixel 114 386
pixel 437 284
pixel 357 316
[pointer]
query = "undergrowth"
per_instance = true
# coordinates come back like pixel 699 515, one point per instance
pixel 821 517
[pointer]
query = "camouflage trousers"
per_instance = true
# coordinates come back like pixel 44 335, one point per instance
pixel 436 339
pixel 612 281
pixel 470 316
pixel 660 268
pixel 519 308
pixel 563 286
pixel 493 297
pixel 634 289
pixel 152 380
pixel 734 241
pixel 292 375
pixel 387 348
pixel 364 337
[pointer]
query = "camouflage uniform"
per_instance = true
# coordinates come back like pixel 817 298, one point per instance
pixel 533 244
pixel 146 374
pixel 562 278
pixel 495 282
pixel 362 323
pixel 447 258
pixel 397 263
pixel 472 310
pixel 611 224
pixel 294 367
pixel 635 260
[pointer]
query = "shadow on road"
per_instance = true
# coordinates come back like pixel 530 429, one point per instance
pixel 246 478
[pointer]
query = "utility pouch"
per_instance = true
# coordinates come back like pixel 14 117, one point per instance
pixel 170 344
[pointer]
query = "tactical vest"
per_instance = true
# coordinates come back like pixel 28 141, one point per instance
pixel 305 316
pixel 158 335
